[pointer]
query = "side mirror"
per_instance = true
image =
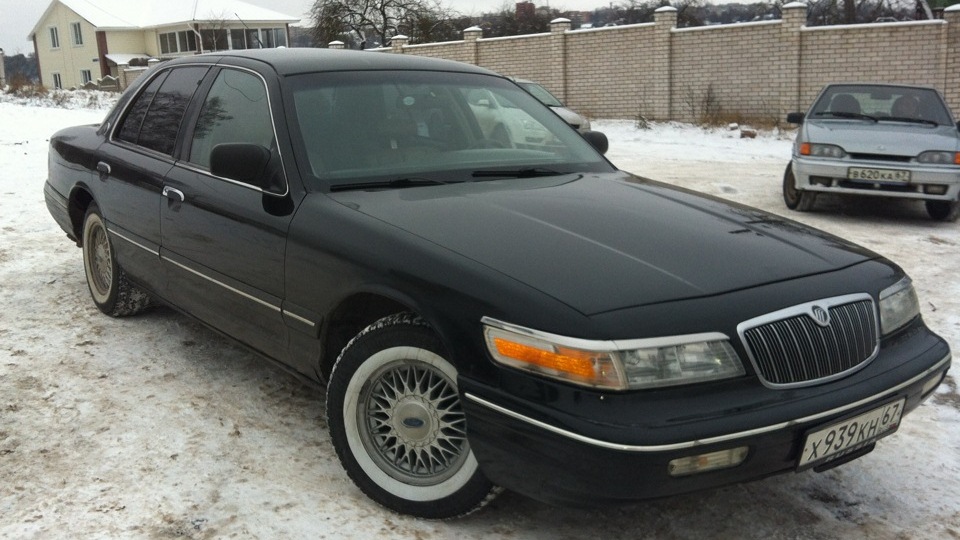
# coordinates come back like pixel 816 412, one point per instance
pixel 795 117
pixel 597 140
pixel 242 162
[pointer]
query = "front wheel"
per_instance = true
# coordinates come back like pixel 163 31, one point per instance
pixel 112 292
pixel 795 199
pixel 943 210
pixel 395 420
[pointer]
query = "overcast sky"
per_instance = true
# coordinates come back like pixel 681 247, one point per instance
pixel 17 17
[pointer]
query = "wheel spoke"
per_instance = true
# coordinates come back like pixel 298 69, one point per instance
pixel 412 419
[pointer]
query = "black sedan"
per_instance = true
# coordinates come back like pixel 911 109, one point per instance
pixel 485 311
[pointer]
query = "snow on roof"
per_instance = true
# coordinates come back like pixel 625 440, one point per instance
pixel 124 59
pixel 125 14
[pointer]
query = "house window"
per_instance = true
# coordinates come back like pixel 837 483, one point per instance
pixel 214 40
pixel 280 37
pixel 77 33
pixel 85 76
pixel 54 38
pixel 178 42
pixel 237 39
pixel 57 82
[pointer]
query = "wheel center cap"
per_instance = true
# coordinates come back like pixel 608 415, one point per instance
pixel 413 421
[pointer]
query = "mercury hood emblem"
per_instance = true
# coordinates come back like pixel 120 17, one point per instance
pixel 820 315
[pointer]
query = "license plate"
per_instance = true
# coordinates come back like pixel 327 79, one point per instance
pixel 850 435
pixel 877 175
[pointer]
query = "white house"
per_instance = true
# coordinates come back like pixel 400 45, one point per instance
pixel 79 41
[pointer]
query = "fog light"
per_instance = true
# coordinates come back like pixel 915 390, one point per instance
pixel 723 459
pixel 935 189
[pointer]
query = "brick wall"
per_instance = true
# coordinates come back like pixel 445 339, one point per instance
pixel 754 71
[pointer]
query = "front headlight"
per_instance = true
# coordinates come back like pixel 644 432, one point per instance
pixel 614 365
pixel 939 158
pixel 822 150
pixel 898 306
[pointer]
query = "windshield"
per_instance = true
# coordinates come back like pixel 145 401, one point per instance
pixel 434 127
pixel 541 94
pixel 881 104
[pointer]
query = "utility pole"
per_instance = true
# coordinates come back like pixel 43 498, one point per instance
pixel 3 71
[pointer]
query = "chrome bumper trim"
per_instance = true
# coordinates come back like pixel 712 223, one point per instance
pixel 710 440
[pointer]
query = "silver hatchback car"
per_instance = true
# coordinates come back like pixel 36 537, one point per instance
pixel 878 140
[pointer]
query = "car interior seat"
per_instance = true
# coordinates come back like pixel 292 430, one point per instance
pixel 845 103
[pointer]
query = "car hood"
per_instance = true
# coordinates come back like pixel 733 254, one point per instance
pixel 608 241
pixel 895 138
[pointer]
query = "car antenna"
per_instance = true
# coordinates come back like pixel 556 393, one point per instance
pixel 259 43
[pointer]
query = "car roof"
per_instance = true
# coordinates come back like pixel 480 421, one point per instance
pixel 291 61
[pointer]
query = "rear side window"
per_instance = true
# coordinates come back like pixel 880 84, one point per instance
pixel 236 110
pixel 154 118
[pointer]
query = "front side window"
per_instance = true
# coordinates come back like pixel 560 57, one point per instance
pixel 77 33
pixel 236 110
pixel 153 119
pixel 54 38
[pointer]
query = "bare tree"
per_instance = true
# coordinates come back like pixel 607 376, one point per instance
pixel 359 20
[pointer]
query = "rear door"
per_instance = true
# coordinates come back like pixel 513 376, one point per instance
pixel 133 164
pixel 223 241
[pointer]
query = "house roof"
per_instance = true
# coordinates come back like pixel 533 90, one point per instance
pixel 145 14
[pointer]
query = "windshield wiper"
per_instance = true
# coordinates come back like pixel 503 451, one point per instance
pixel 526 172
pixel 847 114
pixel 910 120
pixel 393 183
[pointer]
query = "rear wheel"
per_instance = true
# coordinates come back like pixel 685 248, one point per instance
pixel 943 210
pixel 112 292
pixel 395 420
pixel 795 199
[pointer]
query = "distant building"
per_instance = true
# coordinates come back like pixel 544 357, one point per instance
pixel 526 10
pixel 79 41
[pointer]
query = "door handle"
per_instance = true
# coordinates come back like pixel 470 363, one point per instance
pixel 171 193
pixel 103 170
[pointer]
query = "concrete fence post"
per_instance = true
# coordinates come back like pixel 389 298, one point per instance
pixel 470 37
pixel 794 17
pixel 661 76
pixel 951 85
pixel 558 54
pixel 398 42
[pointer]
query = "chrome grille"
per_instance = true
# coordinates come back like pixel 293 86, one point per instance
pixel 791 348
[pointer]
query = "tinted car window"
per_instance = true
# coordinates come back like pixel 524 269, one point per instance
pixel 236 110
pixel 162 122
pixel 130 126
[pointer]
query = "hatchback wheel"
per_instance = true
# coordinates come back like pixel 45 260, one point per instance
pixel 112 292
pixel 801 201
pixel 396 422
pixel 943 210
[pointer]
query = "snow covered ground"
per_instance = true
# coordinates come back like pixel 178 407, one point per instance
pixel 155 427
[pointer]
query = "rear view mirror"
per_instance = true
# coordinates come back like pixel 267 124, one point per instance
pixel 795 117
pixel 242 162
pixel 597 140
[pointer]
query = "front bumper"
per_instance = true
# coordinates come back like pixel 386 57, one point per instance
pixel 830 176
pixel 562 460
